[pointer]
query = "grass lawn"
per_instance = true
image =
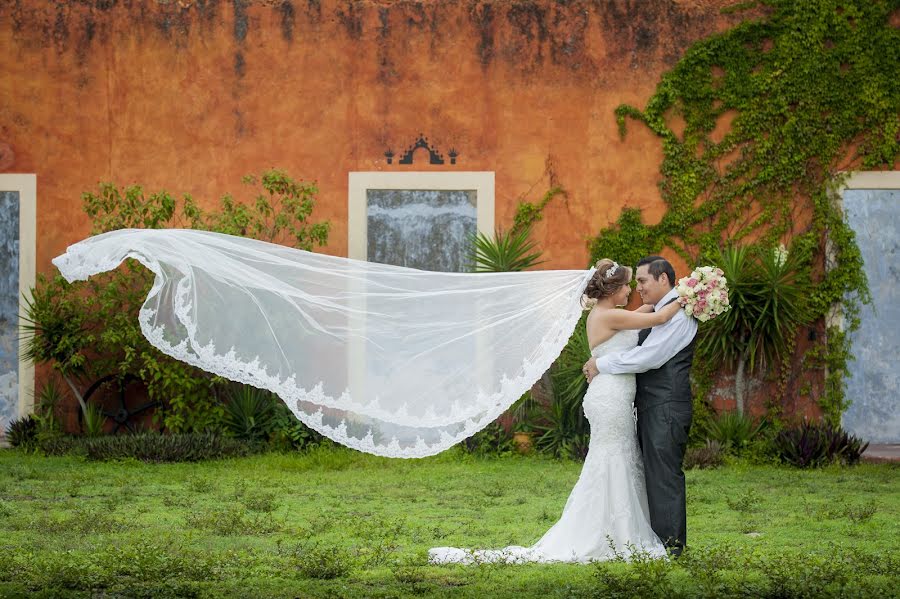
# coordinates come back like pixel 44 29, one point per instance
pixel 337 523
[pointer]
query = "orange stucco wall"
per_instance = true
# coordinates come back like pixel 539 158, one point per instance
pixel 191 95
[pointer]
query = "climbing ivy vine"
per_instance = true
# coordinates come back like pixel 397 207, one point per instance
pixel 758 125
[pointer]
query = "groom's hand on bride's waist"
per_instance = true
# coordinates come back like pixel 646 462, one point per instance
pixel 590 369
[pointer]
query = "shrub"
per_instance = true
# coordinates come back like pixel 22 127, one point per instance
pixel 249 412
pixel 749 501
pixel 231 520
pixel 288 432
pixel 646 576
pixel 323 563
pixel 89 329
pixel 263 502
pixel 22 432
pixel 151 447
pixel 734 431
pixel 815 444
pixel 707 456
pixel 491 440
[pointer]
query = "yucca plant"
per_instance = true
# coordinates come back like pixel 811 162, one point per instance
pixel 768 291
pixel 54 327
pixel 50 396
pixel 249 413
pixel 734 430
pixel 511 250
pixel 93 421
pixel 48 425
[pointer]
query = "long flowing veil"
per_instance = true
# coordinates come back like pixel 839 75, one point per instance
pixel 388 360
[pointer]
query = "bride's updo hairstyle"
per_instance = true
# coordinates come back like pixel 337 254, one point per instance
pixel 608 278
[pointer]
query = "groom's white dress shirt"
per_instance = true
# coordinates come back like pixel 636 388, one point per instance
pixel 663 342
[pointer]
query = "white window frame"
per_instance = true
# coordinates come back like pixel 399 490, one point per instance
pixel 26 186
pixel 481 182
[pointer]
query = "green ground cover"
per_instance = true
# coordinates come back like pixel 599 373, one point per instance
pixel 336 523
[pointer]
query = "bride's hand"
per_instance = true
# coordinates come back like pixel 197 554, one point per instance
pixel 669 311
pixel 590 370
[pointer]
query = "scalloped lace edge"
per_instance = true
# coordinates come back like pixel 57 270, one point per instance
pixel 73 266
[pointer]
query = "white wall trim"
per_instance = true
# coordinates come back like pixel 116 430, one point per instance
pixel 26 185
pixel 481 182
pixel 873 180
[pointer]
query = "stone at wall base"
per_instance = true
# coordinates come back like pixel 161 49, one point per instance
pixel 882 453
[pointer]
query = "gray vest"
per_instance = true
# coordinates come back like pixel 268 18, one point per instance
pixel 670 382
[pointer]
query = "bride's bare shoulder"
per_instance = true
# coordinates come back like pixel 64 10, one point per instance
pixel 599 313
pixel 597 330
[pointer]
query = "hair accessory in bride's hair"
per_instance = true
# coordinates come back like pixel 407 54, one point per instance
pixel 612 270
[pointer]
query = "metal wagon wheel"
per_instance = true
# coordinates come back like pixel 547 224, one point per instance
pixel 122 416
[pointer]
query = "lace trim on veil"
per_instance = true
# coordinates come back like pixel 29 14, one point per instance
pixel 75 266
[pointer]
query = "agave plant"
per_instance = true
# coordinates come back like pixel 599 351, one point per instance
pixel 507 251
pixel 93 421
pixel 249 412
pixel 768 292
pixel 733 430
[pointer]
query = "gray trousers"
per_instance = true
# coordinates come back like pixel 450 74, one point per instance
pixel 663 434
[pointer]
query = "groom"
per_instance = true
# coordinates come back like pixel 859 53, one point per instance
pixel 662 362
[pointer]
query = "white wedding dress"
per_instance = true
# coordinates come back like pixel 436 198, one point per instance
pixel 606 513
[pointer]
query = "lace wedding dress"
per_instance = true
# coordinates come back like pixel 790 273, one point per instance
pixel 606 513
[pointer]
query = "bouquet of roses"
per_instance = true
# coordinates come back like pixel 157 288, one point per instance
pixel 704 294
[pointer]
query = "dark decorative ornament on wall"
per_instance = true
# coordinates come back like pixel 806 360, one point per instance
pixel 434 157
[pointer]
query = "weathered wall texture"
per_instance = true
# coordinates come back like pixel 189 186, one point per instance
pixel 191 95
pixel 188 96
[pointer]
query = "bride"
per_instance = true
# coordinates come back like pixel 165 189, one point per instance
pixel 606 514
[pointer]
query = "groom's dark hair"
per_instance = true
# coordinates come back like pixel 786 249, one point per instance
pixel 657 265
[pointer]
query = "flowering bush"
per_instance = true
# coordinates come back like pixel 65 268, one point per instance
pixel 704 294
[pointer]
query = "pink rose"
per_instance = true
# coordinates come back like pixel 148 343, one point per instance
pixel 692 282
